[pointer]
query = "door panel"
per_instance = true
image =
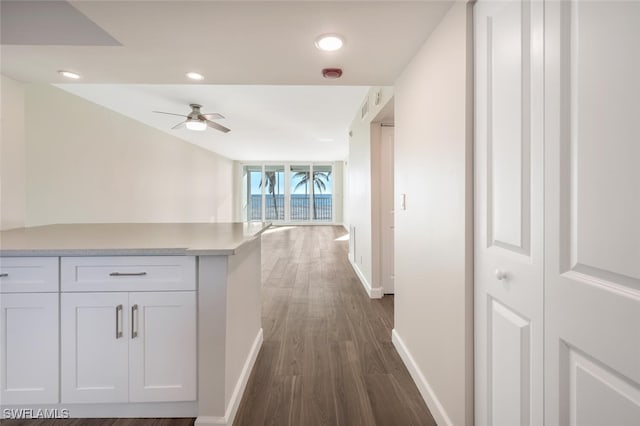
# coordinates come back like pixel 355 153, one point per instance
pixel 300 192
pixel 617 400
pixel 162 354
pixel 253 190
pixel 94 356
pixel 508 213
pixel 510 366
pixel 507 80
pixel 592 272
pixel 274 192
pixel 29 348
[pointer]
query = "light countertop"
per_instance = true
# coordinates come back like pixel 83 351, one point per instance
pixel 129 239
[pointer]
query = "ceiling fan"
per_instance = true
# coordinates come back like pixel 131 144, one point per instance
pixel 197 120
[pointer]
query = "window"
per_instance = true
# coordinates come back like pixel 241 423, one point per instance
pixel 288 192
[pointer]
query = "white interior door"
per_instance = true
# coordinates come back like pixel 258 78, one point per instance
pixel 387 208
pixel 592 263
pixel 508 213
pixel 95 347
pixel 162 351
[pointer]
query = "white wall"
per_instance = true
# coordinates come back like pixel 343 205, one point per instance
pixel 358 203
pixel 338 191
pixel 433 240
pixel 12 154
pixel 345 195
pixel 86 163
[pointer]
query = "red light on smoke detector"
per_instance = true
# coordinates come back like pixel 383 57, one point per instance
pixel 332 73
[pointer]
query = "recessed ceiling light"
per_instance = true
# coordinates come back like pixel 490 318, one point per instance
pixel 69 74
pixel 329 42
pixel 195 76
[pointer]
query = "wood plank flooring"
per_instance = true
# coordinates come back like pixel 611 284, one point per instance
pixel 327 357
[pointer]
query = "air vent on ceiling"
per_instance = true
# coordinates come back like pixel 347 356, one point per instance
pixel 365 109
pixel 378 96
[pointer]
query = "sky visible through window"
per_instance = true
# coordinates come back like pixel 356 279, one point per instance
pixel 255 184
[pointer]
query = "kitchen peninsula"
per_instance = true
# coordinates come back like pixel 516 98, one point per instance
pixel 130 320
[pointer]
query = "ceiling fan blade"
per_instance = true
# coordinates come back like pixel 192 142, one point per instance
pixel 211 116
pixel 217 126
pixel 169 113
pixel 179 125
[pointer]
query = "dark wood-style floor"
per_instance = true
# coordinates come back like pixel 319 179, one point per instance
pixel 327 357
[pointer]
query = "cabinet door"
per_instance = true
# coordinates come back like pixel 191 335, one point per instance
pixel 162 348
pixel 95 336
pixel 29 348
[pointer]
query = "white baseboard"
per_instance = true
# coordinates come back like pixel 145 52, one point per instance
pixel 210 420
pixel 238 391
pixel 374 293
pixel 429 396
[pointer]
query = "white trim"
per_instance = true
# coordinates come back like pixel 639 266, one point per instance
pixel 427 392
pixel 241 384
pixel 210 420
pixel 238 391
pixel 374 293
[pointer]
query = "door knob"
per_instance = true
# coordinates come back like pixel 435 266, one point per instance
pixel 501 275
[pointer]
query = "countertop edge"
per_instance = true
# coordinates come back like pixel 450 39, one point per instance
pixel 174 251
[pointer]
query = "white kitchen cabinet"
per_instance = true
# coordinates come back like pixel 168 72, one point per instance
pixel 29 348
pixel 128 347
pixel 94 347
pixel 128 273
pixel 28 274
pixel 162 348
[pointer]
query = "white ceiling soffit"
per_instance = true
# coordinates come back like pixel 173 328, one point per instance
pixel 49 23
pixel 268 123
pixel 230 42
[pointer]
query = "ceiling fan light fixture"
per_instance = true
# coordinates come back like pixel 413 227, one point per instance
pixel 196 125
pixel 195 75
pixel 329 42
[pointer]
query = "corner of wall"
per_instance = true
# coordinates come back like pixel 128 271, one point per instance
pixel 12 154
pixel 360 188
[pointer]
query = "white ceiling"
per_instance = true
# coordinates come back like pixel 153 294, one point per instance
pixel 133 56
pixel 230 42
pixel 268 123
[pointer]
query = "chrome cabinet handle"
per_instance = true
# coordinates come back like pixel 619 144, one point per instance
pixel 127 274
pixel 4 275
pixel 134 321
pixel 118 321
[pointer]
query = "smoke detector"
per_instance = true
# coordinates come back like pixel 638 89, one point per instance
pixel 332 73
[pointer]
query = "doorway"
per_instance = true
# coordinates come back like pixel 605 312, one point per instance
pixel 386 209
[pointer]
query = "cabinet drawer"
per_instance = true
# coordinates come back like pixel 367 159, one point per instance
pixel 28 274
pixel 128 273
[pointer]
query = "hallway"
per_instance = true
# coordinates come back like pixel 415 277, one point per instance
pixel 327 357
